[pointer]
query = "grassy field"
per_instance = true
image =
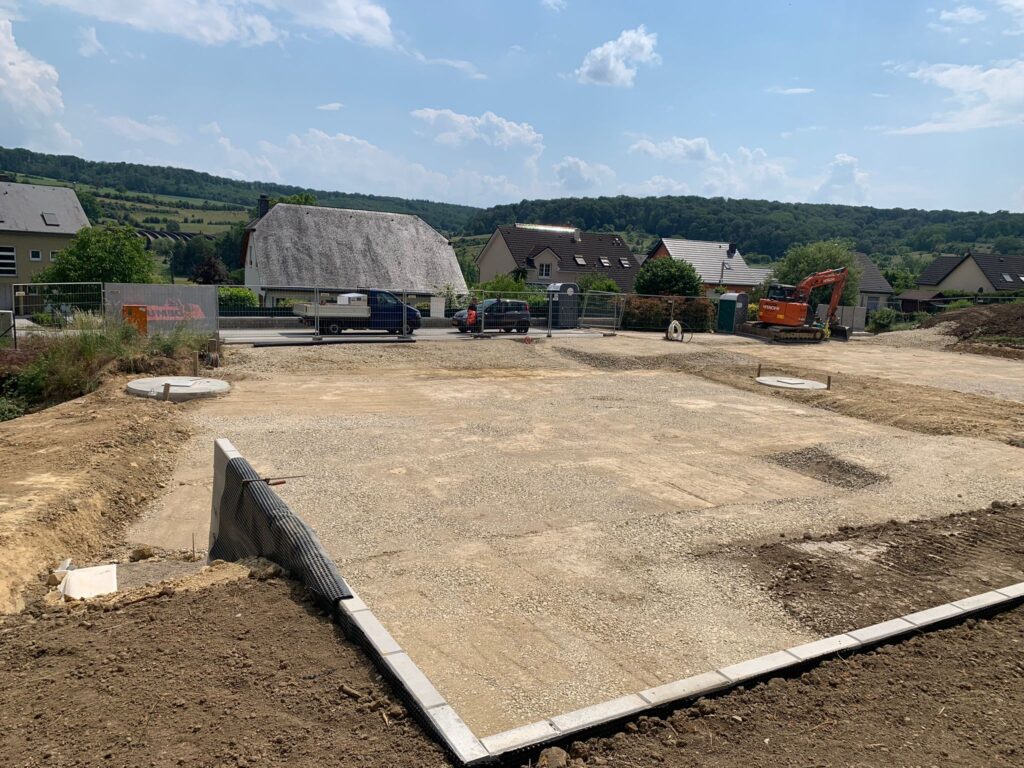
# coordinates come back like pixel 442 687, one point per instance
pixel 191 214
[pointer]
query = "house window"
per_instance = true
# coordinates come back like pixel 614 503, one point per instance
pixel 50 220
pixel 35 255
pixel 8 261
pixel 606 263
pixel 580 260
pixel 1007 277
pixel 544 270
pixel 1021 278
pixel 872 303
pixel 53 255
pixel 624 263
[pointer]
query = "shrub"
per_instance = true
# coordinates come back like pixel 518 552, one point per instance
pixel 654 314
pixel 960 304
pixel 882 320
pixel 593 281
pixel 10 408
pixel 236 299
pixel 668 277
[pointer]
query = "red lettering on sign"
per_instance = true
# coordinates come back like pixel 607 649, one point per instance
pixel 174 311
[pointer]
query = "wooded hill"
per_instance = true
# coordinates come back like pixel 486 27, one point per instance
pixel 759 227
pixel 180 182
pixel 762 226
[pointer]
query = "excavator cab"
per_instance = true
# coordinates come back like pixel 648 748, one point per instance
pixel 780 292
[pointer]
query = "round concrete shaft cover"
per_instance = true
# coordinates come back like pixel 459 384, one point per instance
pixel 788 382
pixel 181 387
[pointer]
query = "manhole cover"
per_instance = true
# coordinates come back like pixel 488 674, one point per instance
pixel 788 382
pixel 181 387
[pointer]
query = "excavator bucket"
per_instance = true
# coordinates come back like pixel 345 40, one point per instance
pixel 839 332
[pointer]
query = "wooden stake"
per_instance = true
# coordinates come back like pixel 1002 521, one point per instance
pixel 195 363
pixel 828 384
pixel 167 391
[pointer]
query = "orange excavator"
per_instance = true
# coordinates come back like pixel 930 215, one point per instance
pixel 786 316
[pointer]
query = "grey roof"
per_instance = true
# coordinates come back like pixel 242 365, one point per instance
pixel 999 267
pixel 940 269
pixel 707 258
pixel 307 245
pixel 871 278
pixel 22 209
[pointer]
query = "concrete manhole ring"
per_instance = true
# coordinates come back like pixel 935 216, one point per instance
pixel 789 382
pixel 181 387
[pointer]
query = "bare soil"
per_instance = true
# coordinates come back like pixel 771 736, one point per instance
pixel 996 329
pixel 76 474
pixel 918 408
pixel 954 697
pixel 821 465
pixel 246 673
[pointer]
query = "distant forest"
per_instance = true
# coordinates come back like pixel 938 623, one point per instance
pixel 162 180
pixel 759 227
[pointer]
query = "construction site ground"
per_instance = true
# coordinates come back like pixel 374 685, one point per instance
pixel 545 526
pixel 542 526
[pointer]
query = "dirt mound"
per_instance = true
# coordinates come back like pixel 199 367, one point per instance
pixel 821 465
pixel 983 322
pixel 244 673
pixel 84 468
pixel 952 697
pixel 860 576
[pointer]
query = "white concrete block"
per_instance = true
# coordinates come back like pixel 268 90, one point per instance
pixel 596 714
pixel 517 738
pixel 223 452
pixel 760 666
pixel 687 688
pixel 932 615
pixel 824 647
pixel 1014 590
pixel 456 734
pixel 352 604
pixel 413 680
pixel 977 602
pixel 882 630
pixel 375 633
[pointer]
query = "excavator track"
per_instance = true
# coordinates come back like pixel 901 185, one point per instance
pixel 781 335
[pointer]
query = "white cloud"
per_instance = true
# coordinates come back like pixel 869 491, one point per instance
pixel 578 175
pixel 89 45
pixel 1016 9
pixel 554 5
pixel 454 129
pixel 844 182
pixel 988 97
pixel 211 22
pixel 362 20
pixel 614 63
pixel 331 106
pixel 30 88
pixel 239 163
pixel 778 89
pixel 880 95
pixel 465 67
pixel 751 172
pixel 155 128
pixel 657 186
pixel 964 14
pixel 676 148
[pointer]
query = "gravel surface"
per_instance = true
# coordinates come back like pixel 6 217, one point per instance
pixel 938 338
pixel 535 529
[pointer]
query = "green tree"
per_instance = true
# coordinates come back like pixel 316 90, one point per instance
pixel 188 256
pixel 900 279
pixel 1008 245
pixel 229 246
pixel 107 254
pixel 804 260
pixel 594 281
pixel 172 226
pixel 91 206
pixel 668 277
pixel 503 284
pixel 210 271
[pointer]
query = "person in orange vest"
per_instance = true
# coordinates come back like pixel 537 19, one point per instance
pixel 471 317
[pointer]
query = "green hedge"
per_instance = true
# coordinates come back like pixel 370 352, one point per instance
pixel 654 314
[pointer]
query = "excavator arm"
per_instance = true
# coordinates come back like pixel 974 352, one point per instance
pixel 834 277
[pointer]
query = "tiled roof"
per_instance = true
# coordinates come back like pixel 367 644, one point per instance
pixel 40 208
pixel 871 279
pixel 708 259
pixel 595 248
pixel 998 268
pixel 939 269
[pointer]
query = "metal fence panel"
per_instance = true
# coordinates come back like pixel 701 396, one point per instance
pixel 167 306
pixel 52 305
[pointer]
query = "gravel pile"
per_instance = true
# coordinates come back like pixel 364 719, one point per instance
pixel 938 337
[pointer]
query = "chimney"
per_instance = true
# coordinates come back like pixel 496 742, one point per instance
pixel 262 206
pixel 732 250
pixel 577 235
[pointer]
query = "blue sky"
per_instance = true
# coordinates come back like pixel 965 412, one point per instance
pixel 910 104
